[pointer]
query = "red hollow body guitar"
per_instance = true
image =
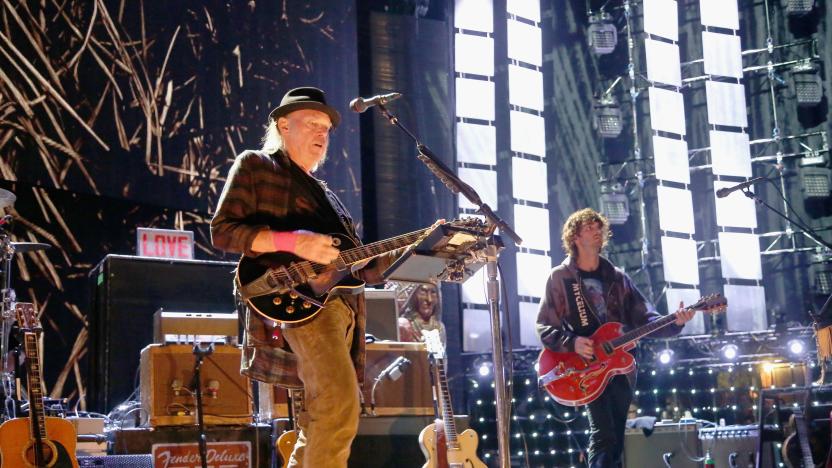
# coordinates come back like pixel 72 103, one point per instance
pixel 575 381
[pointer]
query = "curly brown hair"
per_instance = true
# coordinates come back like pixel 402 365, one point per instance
pixel 573 225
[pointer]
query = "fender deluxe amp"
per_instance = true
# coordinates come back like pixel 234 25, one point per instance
pixel 167 390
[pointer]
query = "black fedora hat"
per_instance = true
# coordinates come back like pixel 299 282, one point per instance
pixel 305 98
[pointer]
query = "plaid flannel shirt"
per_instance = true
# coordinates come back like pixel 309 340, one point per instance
pixel 257 194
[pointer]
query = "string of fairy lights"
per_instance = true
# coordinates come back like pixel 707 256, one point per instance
pixel 723 391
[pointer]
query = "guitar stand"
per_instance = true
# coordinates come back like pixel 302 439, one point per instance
pixel 199 355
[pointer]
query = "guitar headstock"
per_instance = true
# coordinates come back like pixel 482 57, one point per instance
pixel 712 303
pixel 27 319
pixel 433 342
pixel 472 224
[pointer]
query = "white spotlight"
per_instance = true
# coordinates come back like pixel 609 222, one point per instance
pixel 729 352
pixel 796 347
pixel 665 356
pixel 484 370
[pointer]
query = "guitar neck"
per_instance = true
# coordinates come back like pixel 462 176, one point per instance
pixel 445 404
pixel 803 439
pixel 36 412
pixel 644 330
pixel 371 250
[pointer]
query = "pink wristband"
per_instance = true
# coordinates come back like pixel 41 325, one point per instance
pixel 284 241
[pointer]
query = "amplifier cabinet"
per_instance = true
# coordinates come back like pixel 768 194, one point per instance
pixel 411 393
pixel 142 440
pixel 737 445
pixel 167 389
pixel 676 439
pixel 125 292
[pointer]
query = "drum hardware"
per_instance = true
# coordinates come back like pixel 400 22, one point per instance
pixel 8 298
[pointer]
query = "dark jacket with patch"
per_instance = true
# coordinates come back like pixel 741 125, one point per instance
pixel 565 312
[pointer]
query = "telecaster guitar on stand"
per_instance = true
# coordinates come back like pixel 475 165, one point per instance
pixel 440 443
pixel 575 381
pixel 285 288
pixel 37 441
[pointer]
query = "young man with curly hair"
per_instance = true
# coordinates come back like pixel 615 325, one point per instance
pixel 583 292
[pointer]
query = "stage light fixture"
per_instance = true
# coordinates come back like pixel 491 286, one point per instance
pixel 607 117
pixel 796 347
pixel 808 88
pixel 815 183
pixel 820 274
pixel 799 7
pixel 614 203
pixel 729 352
pixel 602 34
pixel 484 370
pixel 665 356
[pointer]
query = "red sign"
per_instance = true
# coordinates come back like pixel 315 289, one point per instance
pixel 219 455
pixel 165 243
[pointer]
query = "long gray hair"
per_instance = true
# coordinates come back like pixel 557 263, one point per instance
pixel 272 141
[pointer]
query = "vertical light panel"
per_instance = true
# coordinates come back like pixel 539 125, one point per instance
pixel 528 152
pixel 736 217
pixel 476 141
pixel 670 156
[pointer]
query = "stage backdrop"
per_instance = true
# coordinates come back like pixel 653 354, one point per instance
pixel 120 114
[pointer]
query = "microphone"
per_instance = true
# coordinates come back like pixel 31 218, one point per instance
pixel 395 369
pixel 725 191
pixel 360 104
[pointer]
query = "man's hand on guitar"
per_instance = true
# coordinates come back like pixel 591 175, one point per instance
pixel 583 346
pixel 684 315
pixel 315 247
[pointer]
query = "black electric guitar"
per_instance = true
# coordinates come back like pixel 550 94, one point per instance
pixel 285 288
pixel 37 441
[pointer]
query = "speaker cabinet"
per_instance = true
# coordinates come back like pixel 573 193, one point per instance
pixel 411 393
pixel 126 291
pixel 167 390
pixel 667 438
pixel 142 440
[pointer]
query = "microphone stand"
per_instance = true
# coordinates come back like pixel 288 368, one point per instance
pixel 806 229
pixel 456 185
pixel 199 356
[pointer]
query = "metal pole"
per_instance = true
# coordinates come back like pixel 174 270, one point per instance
pixel 500 386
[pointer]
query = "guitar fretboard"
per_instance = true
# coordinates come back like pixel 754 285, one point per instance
pixel 357 254
pixel 35 393
pixel 447 409
pixel 644 330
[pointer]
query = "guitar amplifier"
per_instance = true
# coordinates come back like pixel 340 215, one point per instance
pixel 125 292
pixel 737 445
pixel 675 439
pixel 411 393
pixel 167 395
